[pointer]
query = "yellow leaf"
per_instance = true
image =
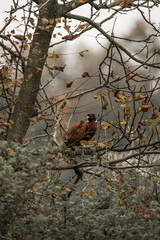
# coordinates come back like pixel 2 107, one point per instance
pixel 38 69
pixel 81 54
pixel 54 57
pixel 127 111
pixel 96 95
pixel 123 122
pixel 121 98
pixel 106 125
pixel 51 21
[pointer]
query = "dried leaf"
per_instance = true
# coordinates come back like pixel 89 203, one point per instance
pixel 127 111
pixel 121 98
pixel 44 20
pixel 25 47
pixel 114 130
pixel 155 115
pixel 49 66
pixel 105 103
pixel 68 85
pixel 51 21
pixel 71 37
pixel 81 54
pixel 125 3
pixel 73 5
pixel 19 37
pixel 79 194
pixel 116 77
pixel 54 57
pixel 37 43
pixel 52 213
pixel 106 125
pixel 29 35
pixel 89 193
pixel 59 68
pixel 101 145
pixel 143 122
pixel 49 26
pixel 85 74
pixel 138 97
pixel 123 122
pixel 96 95
pixel 144 108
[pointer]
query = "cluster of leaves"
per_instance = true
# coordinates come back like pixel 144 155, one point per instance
pixel 35 203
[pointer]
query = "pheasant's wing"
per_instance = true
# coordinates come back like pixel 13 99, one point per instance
pixel 76 132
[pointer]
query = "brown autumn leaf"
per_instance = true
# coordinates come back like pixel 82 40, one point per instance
pixel 155 115
pixel 116 77
pixel 37 43
pixel 85 74
pixel 143 122
pixel 44 20
pixel 126 110
pixel 54 57
pixel 59 68
pixel 151 216
pixel 82 53
pixel 70 37
pixel 125 3
pixel 114 130
pixel 144 108
pixel 89 193
pixel 129 76
pixel 49 66
pixel 105 103
pixel 68 85
pixel 138 97
pixel 19 37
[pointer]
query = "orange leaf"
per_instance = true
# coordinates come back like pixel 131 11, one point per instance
pixel 37 43
pixel 89 193
pixel 6 124
pixel 79 194
pixel 52 212
pixel 44 20
pixel 54 57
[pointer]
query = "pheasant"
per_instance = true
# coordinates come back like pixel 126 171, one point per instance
pixel 83 130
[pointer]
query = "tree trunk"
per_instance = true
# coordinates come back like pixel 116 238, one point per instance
pixel 25 104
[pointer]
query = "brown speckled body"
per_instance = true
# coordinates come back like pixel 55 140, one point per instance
pixel 83 130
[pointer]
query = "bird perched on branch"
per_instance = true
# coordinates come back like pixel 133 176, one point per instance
pixel 83 130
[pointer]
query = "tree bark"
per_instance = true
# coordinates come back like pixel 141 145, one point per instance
pixel 25 105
